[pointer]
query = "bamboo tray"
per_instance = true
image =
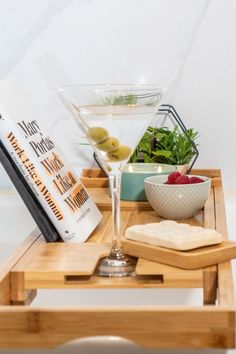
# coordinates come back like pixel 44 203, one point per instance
pixel 38 265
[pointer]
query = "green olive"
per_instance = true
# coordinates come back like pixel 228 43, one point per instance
pixel 122 153
pixel 108 145
pixel 97 134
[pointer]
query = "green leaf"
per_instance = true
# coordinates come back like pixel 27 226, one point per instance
pixel 163 153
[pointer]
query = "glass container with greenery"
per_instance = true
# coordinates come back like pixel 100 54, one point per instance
pixel 165 145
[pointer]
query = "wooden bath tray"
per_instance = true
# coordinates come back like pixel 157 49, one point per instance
pixel 37 265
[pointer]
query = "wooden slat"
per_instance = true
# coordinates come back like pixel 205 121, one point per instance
pixel 210 273
pixel 103 201
pixel 72 265
pixel 54 265
pixel 209 211
pixel 93 173
pixel 97 173
pixel 150 327
pixel 172 277
pixel 94 178
pixel 213 172
pixel 216 182
pixel 83 282
pixel 225 277
pixel 103 232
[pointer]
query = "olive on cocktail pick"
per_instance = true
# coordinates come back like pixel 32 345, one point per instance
pixel 122 153
pixel 108 145
pixel 97 134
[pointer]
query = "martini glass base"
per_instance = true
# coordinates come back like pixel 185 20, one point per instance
pixel 117 267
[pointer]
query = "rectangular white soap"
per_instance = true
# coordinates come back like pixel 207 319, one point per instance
pixel 170 234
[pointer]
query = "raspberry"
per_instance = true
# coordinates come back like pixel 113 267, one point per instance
pixel 195 179
pixel 182 180
pixel 172 177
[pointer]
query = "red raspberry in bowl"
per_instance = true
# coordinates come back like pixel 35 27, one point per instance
pixel 196 179
pixel 172 177
pixel 182 180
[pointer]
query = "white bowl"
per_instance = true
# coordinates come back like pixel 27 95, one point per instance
pixel 176 201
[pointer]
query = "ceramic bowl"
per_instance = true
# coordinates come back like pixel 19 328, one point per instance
pixel 176 201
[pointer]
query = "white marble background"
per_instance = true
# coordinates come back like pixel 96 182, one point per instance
pixel 187 45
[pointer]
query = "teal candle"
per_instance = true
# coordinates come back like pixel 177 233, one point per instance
pixel 133 176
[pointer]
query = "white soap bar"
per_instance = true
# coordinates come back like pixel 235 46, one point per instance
pixel 171 234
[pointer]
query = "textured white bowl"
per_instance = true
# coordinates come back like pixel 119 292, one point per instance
pixel 176 201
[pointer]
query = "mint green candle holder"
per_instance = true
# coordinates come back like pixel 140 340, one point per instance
pixel 133 176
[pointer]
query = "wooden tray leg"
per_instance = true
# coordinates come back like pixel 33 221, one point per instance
pixel 210 285
pixel 19 295
pixel 5 270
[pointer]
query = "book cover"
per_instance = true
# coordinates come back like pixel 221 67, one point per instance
pixel 44 167
pixel 37 212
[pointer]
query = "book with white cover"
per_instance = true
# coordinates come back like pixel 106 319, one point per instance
pixel 44 167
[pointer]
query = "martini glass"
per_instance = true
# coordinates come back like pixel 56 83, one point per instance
pixel 114 119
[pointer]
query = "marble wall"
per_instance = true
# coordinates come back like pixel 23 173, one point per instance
pixel 186 45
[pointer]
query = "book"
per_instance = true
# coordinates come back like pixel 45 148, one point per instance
pixel 37 212
pixel 44 167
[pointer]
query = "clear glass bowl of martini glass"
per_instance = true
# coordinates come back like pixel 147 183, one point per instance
pixel 113 119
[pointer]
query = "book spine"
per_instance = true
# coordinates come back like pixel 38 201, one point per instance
pixel 52 180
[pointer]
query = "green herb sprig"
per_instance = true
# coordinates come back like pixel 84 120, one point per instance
pixel 128 99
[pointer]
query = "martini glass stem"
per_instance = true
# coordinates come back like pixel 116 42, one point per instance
pixel 117 264
pixel 115 184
